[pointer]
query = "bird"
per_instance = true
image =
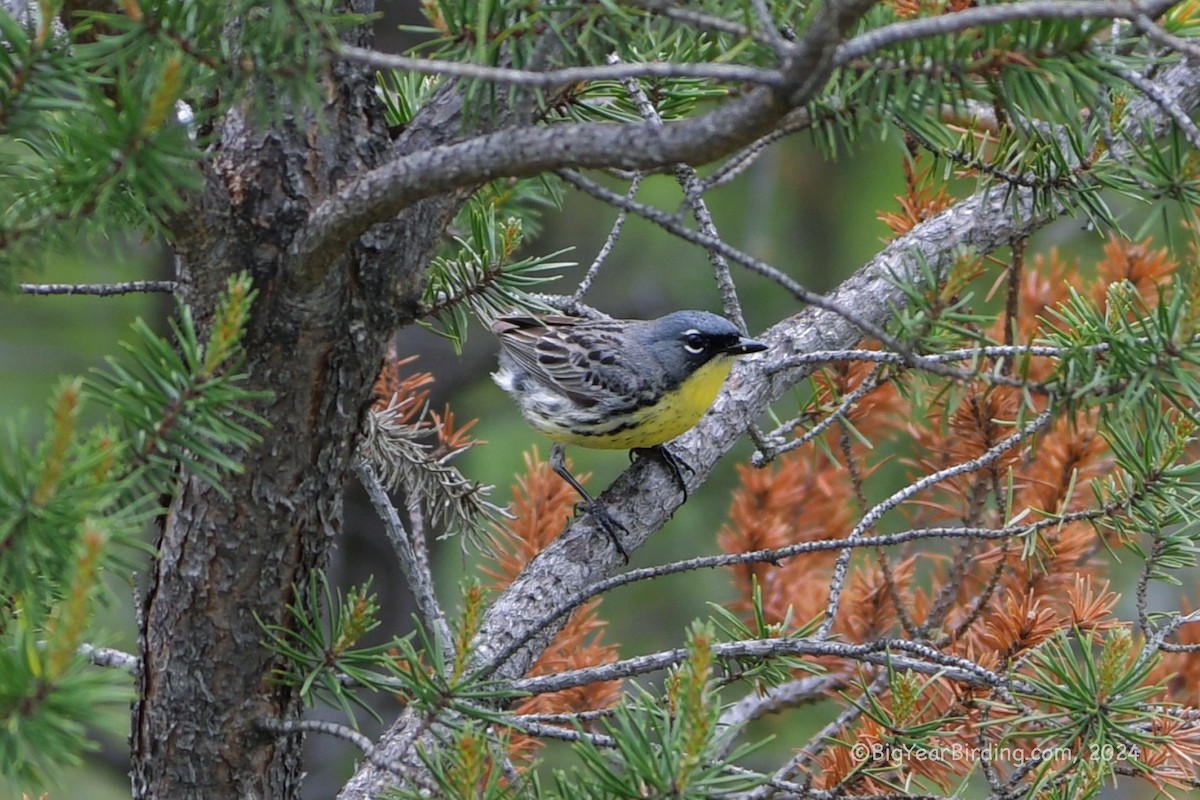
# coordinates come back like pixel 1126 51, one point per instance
pixel 616 384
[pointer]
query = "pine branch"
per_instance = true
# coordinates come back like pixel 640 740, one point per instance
pixel 1030 10
pixel 183 402
pixel 524 151
pixel 869 520
pixel 777 698
pixel 393 445
pixel 918 657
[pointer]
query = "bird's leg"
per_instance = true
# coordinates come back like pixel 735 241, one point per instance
pixel 597 510
pixel 672 462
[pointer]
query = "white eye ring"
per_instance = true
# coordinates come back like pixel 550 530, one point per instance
pixel 693 342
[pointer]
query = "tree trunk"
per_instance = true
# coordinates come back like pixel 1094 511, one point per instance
pixel 225 558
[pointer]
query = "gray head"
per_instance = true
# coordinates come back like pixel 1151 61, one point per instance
pixel 684 341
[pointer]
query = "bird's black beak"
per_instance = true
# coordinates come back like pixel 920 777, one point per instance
pixel 743 346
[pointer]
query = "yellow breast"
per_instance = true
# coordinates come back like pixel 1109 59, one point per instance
pixel 673 414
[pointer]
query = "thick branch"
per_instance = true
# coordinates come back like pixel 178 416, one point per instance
pixel 521 152
pixel 383 192
pixel 524 151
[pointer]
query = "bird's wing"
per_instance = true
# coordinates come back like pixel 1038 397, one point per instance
pixel 586 360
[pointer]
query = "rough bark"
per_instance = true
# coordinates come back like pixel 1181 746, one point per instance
pixel 222 560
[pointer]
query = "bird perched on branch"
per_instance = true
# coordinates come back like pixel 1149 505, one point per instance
pixel 616 384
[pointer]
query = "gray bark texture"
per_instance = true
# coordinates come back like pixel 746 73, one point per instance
pixel 317 347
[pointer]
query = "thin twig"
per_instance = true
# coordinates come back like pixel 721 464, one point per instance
pixel 899 653
pixel 1156 640
pixel 981 600
pixel 543 731
pixel 413 563
pixel 572 718
pixel 566 76
pixel 108 657
pixel 1012 300
pixel 100 289
pixel 1157 96
pixel 693 191
pixel 925 27
pixel 786 695
pixel 1143 586
pixel 770 29
pixel 860 498
pixel 335 729
pixel 868 521
pixel 742 160
pixel 805 755
pixel 609 242
pixel 962 354
pixel 764 456
pixel 290 727
pixel 1154 31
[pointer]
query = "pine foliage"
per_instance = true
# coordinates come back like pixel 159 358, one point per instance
pixel 73 508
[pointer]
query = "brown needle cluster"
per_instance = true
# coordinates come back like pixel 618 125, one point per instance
pixel 1002 602
pixel 542 505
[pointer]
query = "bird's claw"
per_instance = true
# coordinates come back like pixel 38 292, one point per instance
pixel 606 521
pixel 671 461
pixel 589 504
